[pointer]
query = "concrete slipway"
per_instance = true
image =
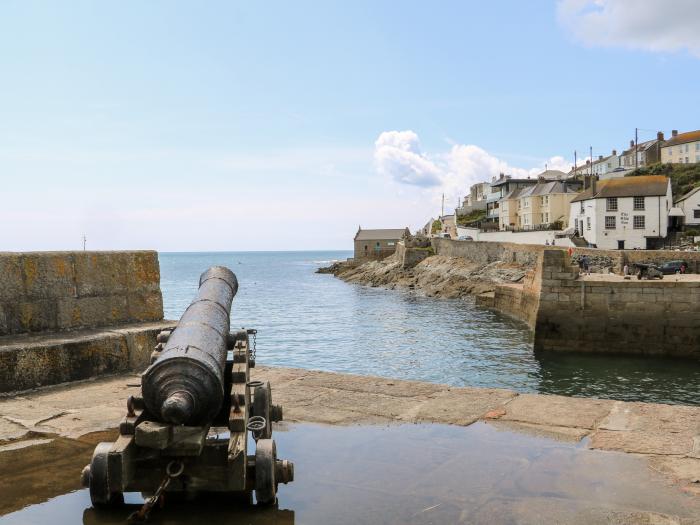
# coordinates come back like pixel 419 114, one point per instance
pixel 665 438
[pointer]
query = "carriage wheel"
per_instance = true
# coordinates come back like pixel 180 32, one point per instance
pixel 101 494
pixel 265 463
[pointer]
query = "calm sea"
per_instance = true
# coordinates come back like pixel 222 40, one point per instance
pixel 315 321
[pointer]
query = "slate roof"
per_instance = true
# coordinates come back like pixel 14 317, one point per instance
pixel 682 138
pixel 541 188
pixel 642 146
pixel 689 194
pixel 641 186
pixel 380 235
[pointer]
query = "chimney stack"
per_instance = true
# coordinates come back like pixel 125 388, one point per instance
pixel 593 181
pixel 600 157
pixel 674 133
pixel 660 136
pixel 631 144
pixel 614 152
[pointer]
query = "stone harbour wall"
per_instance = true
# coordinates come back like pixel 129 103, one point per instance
pixel 659 317
pixel 484 252
pixel 66 316
pixel 568 312
pixel 53 291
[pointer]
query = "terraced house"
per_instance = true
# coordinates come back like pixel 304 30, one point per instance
pixel 683 148
pixel 542 206
pixel 625 213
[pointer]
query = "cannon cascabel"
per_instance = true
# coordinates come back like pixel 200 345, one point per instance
pixel 185 384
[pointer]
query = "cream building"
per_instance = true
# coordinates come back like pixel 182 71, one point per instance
pixel 537 207
pixel 683 148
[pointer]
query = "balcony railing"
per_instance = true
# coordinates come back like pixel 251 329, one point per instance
pixel 549 226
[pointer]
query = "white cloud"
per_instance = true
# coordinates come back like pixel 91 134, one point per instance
pixel 397 154
pixel 653 25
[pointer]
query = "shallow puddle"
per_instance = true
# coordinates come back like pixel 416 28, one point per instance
pixel 415 474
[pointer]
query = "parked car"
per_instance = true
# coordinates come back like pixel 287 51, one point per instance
pixel 671 267
pixel 464 238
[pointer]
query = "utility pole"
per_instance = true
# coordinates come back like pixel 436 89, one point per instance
pixel 636 154
pixel 84 241
pixel 574 163
pixel 590 168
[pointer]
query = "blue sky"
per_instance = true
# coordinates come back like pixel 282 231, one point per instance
pixel 232 126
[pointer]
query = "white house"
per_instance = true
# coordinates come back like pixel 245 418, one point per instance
pixel 626 213
pixel 690 206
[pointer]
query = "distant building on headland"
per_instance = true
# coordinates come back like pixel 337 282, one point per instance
pixel 377 244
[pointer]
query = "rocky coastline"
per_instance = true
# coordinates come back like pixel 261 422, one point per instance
pixel 435 276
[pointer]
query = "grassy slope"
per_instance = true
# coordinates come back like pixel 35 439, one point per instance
pixel 684 177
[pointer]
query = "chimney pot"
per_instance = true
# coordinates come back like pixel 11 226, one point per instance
pixel 674 133
pixel 600 157
pixel 631 144
pixel 660 135
pixel 614 152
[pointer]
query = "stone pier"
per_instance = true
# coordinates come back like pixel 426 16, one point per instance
pixel 66 316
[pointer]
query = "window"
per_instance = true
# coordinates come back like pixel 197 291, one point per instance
pixel 582 210
pixel 588 223
pixel 609 222
pixel 639 203
pixel 638 222
pixel 696 214
pixel 611 204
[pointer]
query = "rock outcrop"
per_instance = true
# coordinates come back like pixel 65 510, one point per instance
pixel 436 276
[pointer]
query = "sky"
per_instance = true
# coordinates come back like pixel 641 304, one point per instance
pixel 194 126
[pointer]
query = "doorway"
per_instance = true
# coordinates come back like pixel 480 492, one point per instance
pixel 620 245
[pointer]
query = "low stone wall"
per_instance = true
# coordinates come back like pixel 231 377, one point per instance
pixel 66 316
pixel 661 256
pixel 618 316
pixel 53 291
pixel 483 252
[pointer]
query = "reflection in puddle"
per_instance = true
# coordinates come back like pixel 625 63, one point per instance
pixel 393 474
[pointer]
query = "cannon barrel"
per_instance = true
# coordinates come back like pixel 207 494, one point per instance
pixel 185 384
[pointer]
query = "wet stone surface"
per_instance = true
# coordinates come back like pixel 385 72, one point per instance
pixel 410 473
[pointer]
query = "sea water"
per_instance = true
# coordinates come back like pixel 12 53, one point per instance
pixel 316 321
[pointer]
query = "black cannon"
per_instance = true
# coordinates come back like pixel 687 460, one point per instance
pixel 648 271
pixel 188 430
